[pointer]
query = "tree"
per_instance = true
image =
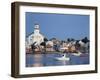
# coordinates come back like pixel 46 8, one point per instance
pixel 53 39
pixel 68 40
pixel 85 40
pixel 43 44
pixel 45 39
pixel 33 47
pixel 72 39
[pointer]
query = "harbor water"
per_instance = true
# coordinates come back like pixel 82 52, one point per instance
pixel 49 59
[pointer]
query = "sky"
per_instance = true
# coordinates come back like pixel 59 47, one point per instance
pixel 60 26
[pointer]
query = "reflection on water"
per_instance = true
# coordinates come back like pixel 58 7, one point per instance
pixel 38 60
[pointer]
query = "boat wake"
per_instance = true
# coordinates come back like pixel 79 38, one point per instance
pixel 63 58
pixel 77 54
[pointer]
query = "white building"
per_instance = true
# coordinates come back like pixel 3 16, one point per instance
pixel 36 37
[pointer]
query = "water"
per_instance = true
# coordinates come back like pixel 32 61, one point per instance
pixel 49 59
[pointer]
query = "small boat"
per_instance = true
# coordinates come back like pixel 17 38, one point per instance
pixel 63 58
pixel 77 54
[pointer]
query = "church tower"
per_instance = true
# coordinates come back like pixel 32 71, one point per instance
pixel 36 37
pixel 36 29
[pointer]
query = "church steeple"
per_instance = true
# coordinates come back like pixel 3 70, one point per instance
pixel 35 37
pixel 36 29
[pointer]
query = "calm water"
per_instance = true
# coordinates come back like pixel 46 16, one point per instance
pixel 37 60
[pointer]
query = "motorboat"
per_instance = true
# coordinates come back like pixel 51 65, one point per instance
pixel 63 58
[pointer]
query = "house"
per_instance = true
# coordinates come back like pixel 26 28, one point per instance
pixel 49 46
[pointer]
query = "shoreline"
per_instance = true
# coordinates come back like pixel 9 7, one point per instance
pixel 53 52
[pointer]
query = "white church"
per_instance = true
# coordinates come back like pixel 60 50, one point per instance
pixel 36 37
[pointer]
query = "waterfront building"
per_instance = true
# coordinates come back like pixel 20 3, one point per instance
pixel 49 46
pixel 36 37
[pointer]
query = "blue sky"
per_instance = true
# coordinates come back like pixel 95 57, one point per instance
pixel 60 26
